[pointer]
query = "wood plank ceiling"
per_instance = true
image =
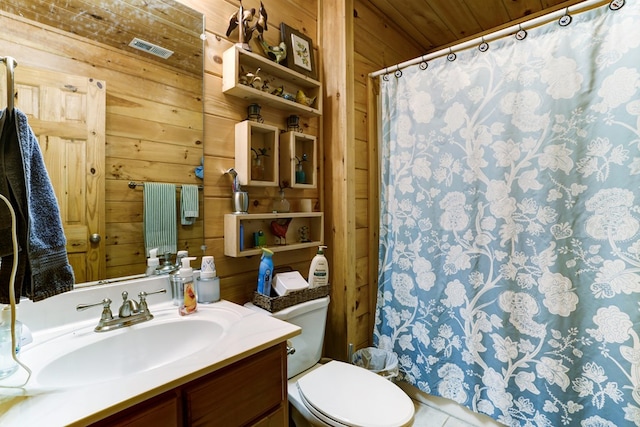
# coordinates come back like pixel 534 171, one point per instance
pixel 166 23
pixel 435 24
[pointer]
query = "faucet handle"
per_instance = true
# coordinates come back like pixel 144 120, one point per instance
pixel 106 308
pixel 143 298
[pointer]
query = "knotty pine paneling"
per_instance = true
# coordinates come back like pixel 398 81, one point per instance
pixel 153 127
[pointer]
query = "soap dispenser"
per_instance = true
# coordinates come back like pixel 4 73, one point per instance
pixel 152 262
pixel 185 274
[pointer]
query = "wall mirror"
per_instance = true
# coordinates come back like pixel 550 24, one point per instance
pixel 153 111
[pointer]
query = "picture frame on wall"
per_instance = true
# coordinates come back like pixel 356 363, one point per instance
pixel 300 56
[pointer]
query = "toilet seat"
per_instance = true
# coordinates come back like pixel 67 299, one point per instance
pixel 341 394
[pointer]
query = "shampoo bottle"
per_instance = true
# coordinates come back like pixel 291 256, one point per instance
pixel 189 303
pixel 152 262
pixel 319 269
pixel 7 364
pixel 208 284
pixel 265 272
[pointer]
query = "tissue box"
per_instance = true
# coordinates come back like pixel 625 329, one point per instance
pixel 286 283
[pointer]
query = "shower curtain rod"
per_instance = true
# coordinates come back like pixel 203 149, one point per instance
pixel 588 4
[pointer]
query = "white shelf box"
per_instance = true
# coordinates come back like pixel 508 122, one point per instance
pixel 236 60
pixel 293 146
pixel 253 223
pixel 257 142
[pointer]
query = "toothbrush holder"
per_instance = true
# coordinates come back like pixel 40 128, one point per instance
pixel 240 202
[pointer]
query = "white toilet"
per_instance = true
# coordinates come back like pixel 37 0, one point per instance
pixel 335 393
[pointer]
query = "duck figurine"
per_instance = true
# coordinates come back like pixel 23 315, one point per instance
pixel 275 53
pixel 303 99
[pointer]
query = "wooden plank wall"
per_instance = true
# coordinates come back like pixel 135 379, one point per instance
pixel 376 44
pixel 153 128
pixel 222 112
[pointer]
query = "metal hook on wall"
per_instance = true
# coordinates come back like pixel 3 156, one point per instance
pixel 11 64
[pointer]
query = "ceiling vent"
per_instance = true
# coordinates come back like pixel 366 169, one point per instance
pixel 151 48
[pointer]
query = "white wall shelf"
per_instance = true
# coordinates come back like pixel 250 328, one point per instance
pixel 251 223
pixel 237 60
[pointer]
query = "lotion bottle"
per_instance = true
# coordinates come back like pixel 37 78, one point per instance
pixel 185 274
pixel 319 269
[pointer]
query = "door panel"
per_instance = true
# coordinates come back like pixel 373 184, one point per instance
pixel 67 114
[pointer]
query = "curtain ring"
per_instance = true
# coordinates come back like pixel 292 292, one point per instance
pixel 451 56
pixel 616 4
pixel 565 19
pixel 423 65
pixel 521 34
pixel 484 46
pixel 385 76
pixel 398 73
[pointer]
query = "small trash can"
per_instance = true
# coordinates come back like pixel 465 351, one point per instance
pixel 382 362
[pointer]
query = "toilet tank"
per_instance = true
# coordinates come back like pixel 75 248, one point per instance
pixel 311 316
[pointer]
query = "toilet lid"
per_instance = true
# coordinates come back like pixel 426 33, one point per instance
pixel 351 395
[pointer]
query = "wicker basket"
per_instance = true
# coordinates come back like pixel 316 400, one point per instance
pixel 273 304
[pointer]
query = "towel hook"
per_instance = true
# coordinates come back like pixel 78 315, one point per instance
pixel 521 34
pixel 10 64
pixel 565 19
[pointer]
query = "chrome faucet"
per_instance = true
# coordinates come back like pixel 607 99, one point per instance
pixel 130 312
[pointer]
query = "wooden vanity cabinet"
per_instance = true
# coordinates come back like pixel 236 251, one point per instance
pixel 250 392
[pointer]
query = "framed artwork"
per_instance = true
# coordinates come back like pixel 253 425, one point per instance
pixel 299 51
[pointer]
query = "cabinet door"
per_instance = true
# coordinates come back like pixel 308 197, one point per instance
pixel 161 411
pixel 240 394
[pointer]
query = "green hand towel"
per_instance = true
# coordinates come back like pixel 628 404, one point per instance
pixel 160 226
pixel 189 204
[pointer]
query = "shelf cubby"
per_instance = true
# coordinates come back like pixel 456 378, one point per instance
pixel 253 223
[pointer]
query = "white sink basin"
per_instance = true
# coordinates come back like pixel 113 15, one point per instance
pixel 82 356
pixel 129 351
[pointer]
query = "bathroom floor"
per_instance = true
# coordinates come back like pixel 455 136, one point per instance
pixel 433 411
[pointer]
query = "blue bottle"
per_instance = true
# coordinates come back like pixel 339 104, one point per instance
pixel 265 272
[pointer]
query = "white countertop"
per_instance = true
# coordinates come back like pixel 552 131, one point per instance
pixel 81 405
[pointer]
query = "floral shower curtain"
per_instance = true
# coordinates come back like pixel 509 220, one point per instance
pixel 509 276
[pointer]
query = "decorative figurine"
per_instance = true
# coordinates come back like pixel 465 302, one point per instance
pixel 279 229
pixel 303 234
pixel 250 79
pixel 241 20
pixel 303 99
pixel 275 53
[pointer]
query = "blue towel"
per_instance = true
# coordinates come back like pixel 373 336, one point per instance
pixel 189 209
pixel 159 221
pixel 43 266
